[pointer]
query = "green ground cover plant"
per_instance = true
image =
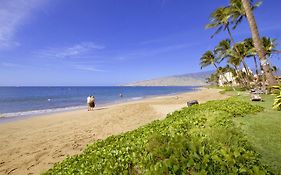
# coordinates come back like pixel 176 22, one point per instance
pixel 202 139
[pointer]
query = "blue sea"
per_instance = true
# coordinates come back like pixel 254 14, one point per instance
pixel 20 102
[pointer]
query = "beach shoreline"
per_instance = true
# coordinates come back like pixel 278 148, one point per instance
pixel 22 115
pixel 33 145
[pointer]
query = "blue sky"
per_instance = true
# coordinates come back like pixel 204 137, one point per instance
pixel 111 42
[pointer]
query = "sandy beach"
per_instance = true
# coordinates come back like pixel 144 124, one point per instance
pixel 33 145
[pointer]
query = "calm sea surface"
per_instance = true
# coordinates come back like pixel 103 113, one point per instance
pixel 18 102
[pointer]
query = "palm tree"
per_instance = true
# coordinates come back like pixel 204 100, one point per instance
pixel 269 45
pixel 220 20
pixel 213 78
pixel 258 42
pixel 232 14
pixel 238 12
pixel 240 51
pixel 222 49
pixel 252 52
pixel 209 58
pixel 237 56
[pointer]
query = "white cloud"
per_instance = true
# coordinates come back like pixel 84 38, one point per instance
pixel 79 49
pixel 76 50
pixel 14 13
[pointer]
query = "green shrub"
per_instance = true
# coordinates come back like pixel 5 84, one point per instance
pixel 201 139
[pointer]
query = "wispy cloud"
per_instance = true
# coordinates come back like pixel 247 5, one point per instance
pixel 10 65
pixel 154 51
pixel 76 50
pixel 87 68
pixel 13 14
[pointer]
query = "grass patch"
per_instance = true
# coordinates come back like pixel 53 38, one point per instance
pixel 264 132
pixel 201 139
pixel 227 89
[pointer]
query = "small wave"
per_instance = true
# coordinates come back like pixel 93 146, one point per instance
pixel 136 98
pixel 38 112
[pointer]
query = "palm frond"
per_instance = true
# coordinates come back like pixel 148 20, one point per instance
pixel 217 31
pixel 237 22
pixel 256 5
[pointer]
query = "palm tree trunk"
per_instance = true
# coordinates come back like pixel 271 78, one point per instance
pixel 233 43
pixel 256 65
pixel 245 78
pixel 230 36
pixel 244 83
pixel 246 67
pixel 258 43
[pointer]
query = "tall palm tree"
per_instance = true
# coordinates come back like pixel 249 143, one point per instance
pixel 232 14
pixel 220 19
pixel 224 51
pixel 237 56
pixel 238 12
pixel 258 43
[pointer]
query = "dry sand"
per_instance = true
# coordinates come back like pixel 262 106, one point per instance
pixel 33 145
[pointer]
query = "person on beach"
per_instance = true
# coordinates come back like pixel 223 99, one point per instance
pixel 89 102
pixel 92 103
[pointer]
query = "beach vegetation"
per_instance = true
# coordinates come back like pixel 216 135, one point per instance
pixel 277 100
pixel 201 139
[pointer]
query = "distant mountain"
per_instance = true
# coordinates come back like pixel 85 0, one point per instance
pixel 191 79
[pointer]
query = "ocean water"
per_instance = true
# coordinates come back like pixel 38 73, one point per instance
pixel 16 102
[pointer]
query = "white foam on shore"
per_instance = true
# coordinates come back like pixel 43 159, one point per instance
pixel 38 112
pixel 17 115
pixel 136 98
pixel 54 110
